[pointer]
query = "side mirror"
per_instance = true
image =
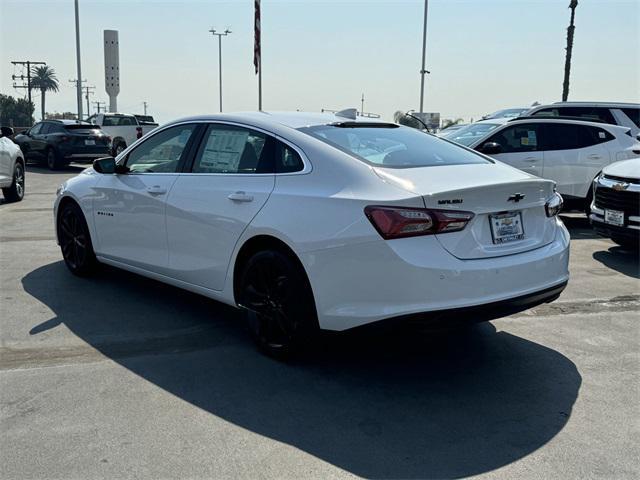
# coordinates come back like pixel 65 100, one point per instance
pixel 105 165
pixel 491 148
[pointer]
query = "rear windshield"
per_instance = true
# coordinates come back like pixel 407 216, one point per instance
pixel 82 128
pixel 401 147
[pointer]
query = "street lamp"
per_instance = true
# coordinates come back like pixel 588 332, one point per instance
pixel 424 54
pixel 220 35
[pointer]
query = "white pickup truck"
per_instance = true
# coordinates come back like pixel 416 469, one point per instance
pixel 124 129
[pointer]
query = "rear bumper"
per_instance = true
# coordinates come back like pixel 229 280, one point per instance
pixel 360 284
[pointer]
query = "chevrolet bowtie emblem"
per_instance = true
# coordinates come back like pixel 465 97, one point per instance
pixel 516 197
pixel 618 187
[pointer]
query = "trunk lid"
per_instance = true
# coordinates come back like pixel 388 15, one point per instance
pixel 490 191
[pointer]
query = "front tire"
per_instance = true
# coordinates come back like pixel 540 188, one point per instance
pixel 281 313
pixel 15 192
pixel 75 241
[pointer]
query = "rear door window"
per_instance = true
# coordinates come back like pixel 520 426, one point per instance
pixel 232 149
pixel 518 138
pixel 46 128
pixel 633 114
pixel 287 159
pixel 570 137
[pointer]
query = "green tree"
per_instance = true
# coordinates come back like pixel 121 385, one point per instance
pixel 407 120
pixel 567 61
pixel 16 113
pixel 448 123
pixel 44 79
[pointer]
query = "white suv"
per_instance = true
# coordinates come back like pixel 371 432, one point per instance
pixel 569 152
pixel 623 114
pixel 11 167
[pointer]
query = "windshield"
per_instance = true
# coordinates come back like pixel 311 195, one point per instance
pixel 469 134
pixel 393 147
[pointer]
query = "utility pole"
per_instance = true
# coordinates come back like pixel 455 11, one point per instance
pixel 424 54
pixel 144 104
pixel 20 77
pixel 79 84
pixel 100 105
pixel 362 105
pixel 88 90
pixel 220 35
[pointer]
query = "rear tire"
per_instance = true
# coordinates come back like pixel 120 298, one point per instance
pixel 75 241
pixel 15 192
pixel 281 313
pixel 587 203
pixel 118 148
pixel 53 160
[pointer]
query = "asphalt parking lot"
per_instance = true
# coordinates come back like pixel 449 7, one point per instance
pixel 118 376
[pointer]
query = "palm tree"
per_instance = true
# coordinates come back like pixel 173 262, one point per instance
pixel 44 79
pixel 567 60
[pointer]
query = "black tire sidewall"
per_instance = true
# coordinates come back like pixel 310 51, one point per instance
pixel 90 261
pixel 303 307
pixel 55 164
pixel 11 193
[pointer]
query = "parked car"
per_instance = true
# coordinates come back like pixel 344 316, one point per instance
pixel 615 211
pixel 469 133
pixel 450 129
pixel 311 221
pixel 12 176
pixel 623 114
pixel 569 152
pixel 124 129
pixel 507 113
pixel 59 142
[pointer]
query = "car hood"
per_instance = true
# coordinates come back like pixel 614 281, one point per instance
pixel 625 168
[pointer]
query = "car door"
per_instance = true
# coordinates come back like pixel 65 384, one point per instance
pixel 573 156
pixel 519 147
pixel 129 208
pixel 39 139
pixel 210 206
pixel 28 141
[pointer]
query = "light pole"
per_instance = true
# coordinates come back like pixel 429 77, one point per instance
pixel 220 35
pixel 424 54
pixel 79 84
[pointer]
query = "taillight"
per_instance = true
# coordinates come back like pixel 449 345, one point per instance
pixel 139 132
pixel 399 222
pixel 554 205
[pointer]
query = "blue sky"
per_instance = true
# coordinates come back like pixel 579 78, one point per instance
pixel 483 55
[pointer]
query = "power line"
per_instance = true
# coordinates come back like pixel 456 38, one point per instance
pixel 21 77
pixel 99 105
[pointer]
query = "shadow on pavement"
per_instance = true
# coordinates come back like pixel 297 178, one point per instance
pixel 404 405
pixel 621 260
pixel 39 168
pixel 579 227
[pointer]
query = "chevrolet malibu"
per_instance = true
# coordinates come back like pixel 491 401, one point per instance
pixel 318 221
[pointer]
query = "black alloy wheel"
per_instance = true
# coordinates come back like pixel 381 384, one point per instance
pixel 15 192
pixel 281 313
pixel 52 160
pixel 75 241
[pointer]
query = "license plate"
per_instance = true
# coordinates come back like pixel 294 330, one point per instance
pixel 89 142
pixel 614 217
pixel 506 227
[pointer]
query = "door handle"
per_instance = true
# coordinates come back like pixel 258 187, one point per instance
pixel 156 190
pixel 530 159
pixel 240 197
pixel 594 156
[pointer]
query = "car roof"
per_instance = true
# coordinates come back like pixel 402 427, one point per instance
pixel 543 119
pixel 66 121
pixel 587 104
pixel 289 119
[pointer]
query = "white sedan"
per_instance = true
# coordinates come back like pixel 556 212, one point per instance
pixel 318 221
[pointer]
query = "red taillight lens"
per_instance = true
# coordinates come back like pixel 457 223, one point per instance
pixel 399 222
pixel 139 132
